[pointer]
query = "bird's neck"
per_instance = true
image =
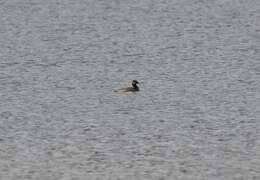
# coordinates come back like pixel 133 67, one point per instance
pixel 135 86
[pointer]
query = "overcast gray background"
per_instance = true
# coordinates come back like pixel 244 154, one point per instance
pixel 196 117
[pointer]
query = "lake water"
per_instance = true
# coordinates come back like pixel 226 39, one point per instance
pixel 196 117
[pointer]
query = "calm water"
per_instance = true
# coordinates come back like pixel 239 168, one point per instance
pixel 196 117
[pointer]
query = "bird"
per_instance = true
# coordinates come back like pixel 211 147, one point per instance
pixel 134 87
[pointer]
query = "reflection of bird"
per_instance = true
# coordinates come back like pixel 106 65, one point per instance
pixel 134 87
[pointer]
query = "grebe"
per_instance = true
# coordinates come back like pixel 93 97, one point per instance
pixel 134 87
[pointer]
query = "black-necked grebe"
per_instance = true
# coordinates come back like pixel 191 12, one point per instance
pixel 134 87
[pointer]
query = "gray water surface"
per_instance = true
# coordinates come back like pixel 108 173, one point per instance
pixel 197 116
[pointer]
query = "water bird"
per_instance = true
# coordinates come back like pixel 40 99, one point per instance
pixel 134 87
